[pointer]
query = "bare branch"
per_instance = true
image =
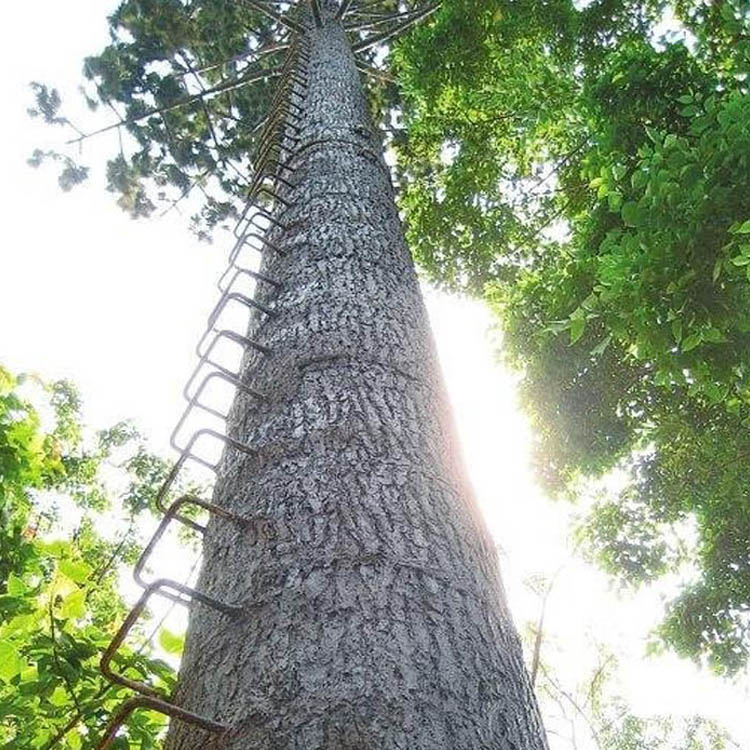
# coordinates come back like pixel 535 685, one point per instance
pixel 260 54
pixel 374 72
pixel 283 20
pixel 380 19
pixel 391 33
pixel 343 8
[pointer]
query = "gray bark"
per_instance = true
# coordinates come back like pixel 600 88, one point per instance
pixel 375 617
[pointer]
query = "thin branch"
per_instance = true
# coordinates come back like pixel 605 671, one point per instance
pixel 374 72
pixel 283 20
pixel 229 85
pixel 189 189
pixel 259 54
pixel 209 122
pixel 538 638
pixel 574 703
pixel 379 20
pixel 343 8
pixel 396 31
pixel 316 13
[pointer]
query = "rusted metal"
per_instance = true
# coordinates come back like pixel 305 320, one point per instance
pixel 257 275
pixel 155 704
pixel 195 401
pixel 185 596
pixel 245 238
pixel 205 359
pixel 172 514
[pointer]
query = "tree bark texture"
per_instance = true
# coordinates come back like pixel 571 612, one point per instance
pixel 374 614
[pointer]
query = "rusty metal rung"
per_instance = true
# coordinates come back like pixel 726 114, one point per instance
pixel 154 704
pixel 188 595
pixel 224 333
pixel 194 401
pixel 242 271
pixel 277 144
pixel 171 514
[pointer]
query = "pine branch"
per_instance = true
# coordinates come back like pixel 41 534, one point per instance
pixel 380 19
pixel 374 72
pixel 280 19
pixel 229 85
pixel 391 33
pixel 261 53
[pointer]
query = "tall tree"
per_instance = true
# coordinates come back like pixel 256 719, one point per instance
pixel 372 613
pixel 358 603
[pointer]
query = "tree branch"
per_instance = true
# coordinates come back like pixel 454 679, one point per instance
pixel 283 20
pixel 343 8
pixel 316 13
pixel 374 72
pixel 399 29
pixel 229 85
pixel 380 19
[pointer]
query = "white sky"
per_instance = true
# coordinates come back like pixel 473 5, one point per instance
pixel 117 306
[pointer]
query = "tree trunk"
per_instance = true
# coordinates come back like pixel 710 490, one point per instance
pixel 374 614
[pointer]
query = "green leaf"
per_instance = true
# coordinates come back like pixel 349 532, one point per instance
pixel 677 330
pixel 76 570
pixel 59 696
pixel 74 605
pixel 10 661
pixel 630 213
pixel 691 341
pixel 743 228
pixel 714 336
pixel 601 347
pixel 16 587
pixel 577 327
pixel 717 269
pixel 170 642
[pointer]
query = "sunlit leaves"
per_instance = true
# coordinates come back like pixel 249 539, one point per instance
pixel 59 593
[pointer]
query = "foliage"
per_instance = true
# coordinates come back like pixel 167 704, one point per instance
pixel 59 574
pixel 172 77
pixel 591 181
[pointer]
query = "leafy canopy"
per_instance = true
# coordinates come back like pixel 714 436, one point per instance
pixel 588 175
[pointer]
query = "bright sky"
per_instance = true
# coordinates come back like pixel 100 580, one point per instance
pixel 117 306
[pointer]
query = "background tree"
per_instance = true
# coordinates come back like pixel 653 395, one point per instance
pixel 60 576
pixel 581 700
pixel 585 171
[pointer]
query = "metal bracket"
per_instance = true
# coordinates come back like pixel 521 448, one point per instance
pixel 171 514
pixel 188 595
pixel 154 704
pixel 230 335
pixel 195 401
